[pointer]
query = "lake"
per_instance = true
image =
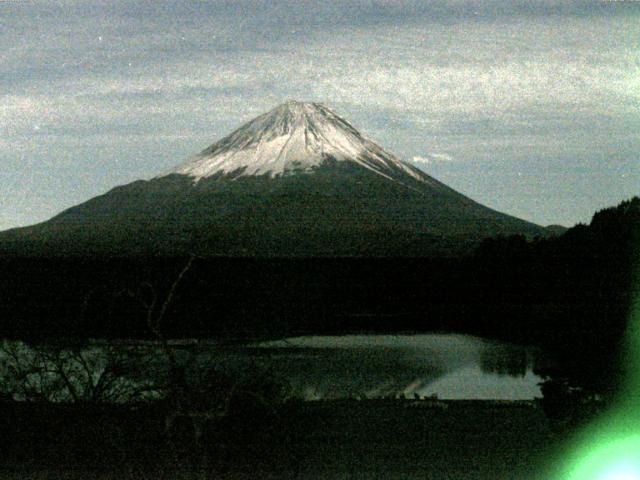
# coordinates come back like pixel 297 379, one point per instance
pixel 372 366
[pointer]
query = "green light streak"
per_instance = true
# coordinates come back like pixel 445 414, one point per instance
pixel 609 449
pixel 614 460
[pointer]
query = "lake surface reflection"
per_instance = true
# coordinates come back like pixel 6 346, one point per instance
pixel 449 366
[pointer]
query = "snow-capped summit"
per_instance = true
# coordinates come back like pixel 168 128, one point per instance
pixel 294 137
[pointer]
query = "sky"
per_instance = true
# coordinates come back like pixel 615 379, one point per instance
pixel 531 108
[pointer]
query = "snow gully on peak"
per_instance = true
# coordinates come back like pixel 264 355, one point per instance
pixel 295 137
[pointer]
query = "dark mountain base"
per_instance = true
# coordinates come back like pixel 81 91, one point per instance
pixel 232 297
pixel 339 210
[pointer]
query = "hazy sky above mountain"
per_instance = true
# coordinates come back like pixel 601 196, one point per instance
pixel 531 108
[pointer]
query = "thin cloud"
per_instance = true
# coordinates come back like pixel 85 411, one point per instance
pixel 432 157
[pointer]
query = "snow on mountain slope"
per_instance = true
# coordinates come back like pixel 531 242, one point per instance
pixel 295 137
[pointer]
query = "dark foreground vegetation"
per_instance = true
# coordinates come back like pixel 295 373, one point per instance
pixel 314 440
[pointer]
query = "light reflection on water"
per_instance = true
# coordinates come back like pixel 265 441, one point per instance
pixel 449 366
pixel 472 382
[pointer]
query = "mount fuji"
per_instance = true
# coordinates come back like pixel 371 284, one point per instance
pixel 296 181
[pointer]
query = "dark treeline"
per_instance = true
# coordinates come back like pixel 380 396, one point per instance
pixel 570 295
